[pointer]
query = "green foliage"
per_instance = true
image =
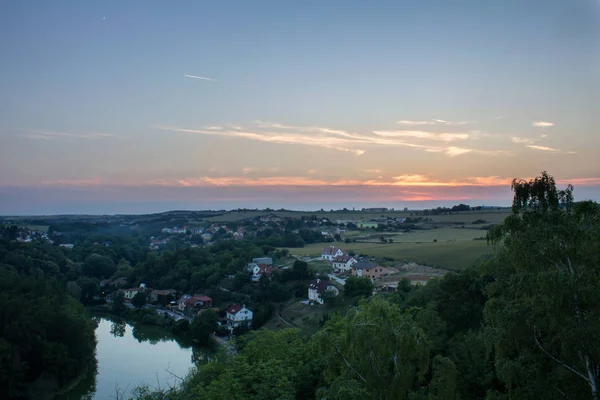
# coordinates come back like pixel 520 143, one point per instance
pixel 139 300
pixel 203 326
pixel 358 287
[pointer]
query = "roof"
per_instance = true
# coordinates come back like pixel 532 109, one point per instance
pixel 234 309
pixel 264 269
pixel 205 299
pixel 342 259
pixel 319 285
pixel 364 265
pixel 330 250
pixel 165 292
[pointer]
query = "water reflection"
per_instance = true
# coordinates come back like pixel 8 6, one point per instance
pixel 117 328
pixel 132 355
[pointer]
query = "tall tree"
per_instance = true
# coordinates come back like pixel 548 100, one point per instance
pixel 544 306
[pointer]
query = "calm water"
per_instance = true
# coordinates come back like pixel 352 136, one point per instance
pixel 130 356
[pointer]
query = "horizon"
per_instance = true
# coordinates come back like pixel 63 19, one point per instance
pixel 124 108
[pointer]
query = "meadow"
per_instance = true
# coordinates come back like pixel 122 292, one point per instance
pixel 453 255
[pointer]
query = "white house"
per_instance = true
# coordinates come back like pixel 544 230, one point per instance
pixel 343 263
pixel 259 269
pixel 238 315
pixel 330 252
pixel 318 287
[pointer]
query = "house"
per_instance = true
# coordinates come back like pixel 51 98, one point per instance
pixel 67 245
pixel 130 293
pixel 343 263
pixel 189 303
pixel 317 287
pixel 329 253
pixel 259 270
pixel 368 270
pixel 162 296
pixel 259 260
pixel 238 316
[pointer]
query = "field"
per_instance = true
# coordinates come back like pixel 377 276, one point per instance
pixel 489 215
pixel 305 317
pixel 448 255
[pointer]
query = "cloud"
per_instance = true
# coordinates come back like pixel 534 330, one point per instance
pixel 416 180
pixel 543 148
pixel 433 122
pixel 341 140
pixel 542 124
pixel 37 134
pixel 213 128
pixel 515 139
pixel 446 137
pixel 203 78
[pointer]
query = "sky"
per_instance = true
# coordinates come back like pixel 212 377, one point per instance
pixel 146 106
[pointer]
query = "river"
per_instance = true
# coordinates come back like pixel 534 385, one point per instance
pixel 129 356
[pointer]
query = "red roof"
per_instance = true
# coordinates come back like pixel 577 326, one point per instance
pixel 191 301
pixel 331 250
pixel 320 285
pixel 264 269
pixel 234 309
pixel 205 299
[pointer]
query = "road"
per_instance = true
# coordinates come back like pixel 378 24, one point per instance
pixel 335 278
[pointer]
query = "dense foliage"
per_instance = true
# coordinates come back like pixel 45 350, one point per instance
pixel 46 339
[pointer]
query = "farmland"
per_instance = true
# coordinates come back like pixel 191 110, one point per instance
pixel 467 217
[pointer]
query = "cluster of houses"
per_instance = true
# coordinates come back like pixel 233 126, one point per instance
pixel 342 262
pixel 27 235
pixel 189 305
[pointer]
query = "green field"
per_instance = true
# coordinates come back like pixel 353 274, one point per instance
pixel 491 216
pixel 429 235
pixel 450 255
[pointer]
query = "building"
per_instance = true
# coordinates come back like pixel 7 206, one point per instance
pixel 130 293
pixel 329 253
pixel 368 270
pixel 188 303
pixel 259 270
pixel 260 260
pixel 317 287
pixel 343 263
pixel 238 316
pixel 162 296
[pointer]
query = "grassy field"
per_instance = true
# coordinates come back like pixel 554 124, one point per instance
pixel 41 228
pixel 449 255
pixel 441 235
pixel 491 216
pixel 304 316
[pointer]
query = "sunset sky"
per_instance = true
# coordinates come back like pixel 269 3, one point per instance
pixel 145 106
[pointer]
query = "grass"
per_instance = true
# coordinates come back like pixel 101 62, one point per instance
pixel 449 255
pixel 441 235
pixel 41 228
pixel 491 216
pixel 305 317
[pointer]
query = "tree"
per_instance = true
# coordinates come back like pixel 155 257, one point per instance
pixel 544 305
pixel 374 351
pixel 330 298
pixel 358 287
pixel 118 305
pixel 204 325
pixel 139 300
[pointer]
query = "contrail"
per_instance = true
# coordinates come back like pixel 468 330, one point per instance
pixel 200 77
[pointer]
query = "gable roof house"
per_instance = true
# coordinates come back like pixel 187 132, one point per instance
pixel 343 263
pixel 259 270
pixel 317 287
pixel 329 253
pixel 238 316
pixel 189 303
pixel 368 270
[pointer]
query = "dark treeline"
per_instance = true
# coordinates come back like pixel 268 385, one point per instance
pixel 46 338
